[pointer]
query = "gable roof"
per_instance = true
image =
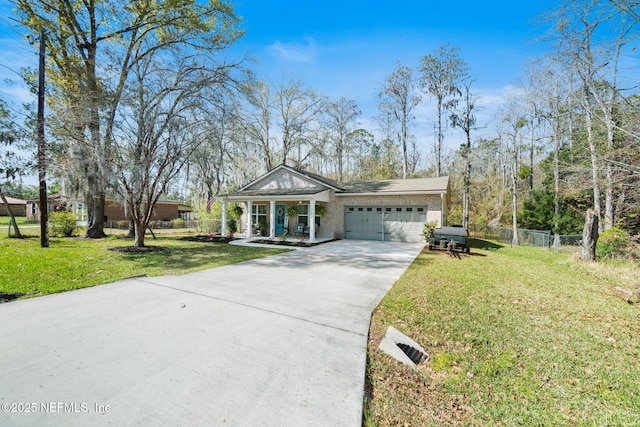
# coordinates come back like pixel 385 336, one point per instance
pixel 12 201
pixel 285 180
pixel 325 182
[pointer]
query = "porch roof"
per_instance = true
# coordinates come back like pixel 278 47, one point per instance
pixel 284 194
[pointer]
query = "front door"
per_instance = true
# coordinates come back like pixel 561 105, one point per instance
pixel 280 214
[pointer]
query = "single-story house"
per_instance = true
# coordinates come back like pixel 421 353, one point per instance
pixel 386 210
pixel 54 202
pixel 164 210
pixel 18 207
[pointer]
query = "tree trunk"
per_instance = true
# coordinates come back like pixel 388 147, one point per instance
pixel 590 235
pixel 556 186
pixel 467 184
pixel 95 215
pixel 141 229
pixel 11 217
pixel 515 240
pixel 132 229
pixel 438 148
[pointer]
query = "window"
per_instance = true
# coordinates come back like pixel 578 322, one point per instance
pixel 378 209
pixel 387 209
pixel 409 209
pixel 398 209
pixel 420 209
pixel 303 215
pixel 369 209
pixel 258 214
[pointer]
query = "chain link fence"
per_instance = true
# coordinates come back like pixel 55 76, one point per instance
pixel 537 238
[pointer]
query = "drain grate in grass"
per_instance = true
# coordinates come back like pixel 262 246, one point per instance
pixel 412 353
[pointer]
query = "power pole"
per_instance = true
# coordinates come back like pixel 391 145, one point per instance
pixel 42 166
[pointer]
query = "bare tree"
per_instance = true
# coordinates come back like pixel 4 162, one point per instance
pixel 257 123
pixel 464 118
pixel 342 115
pixel 162 126
pixel 397 99
pixel 214 159
pixel 583 35
pixel 297 109
pixel 514 121
pixel 442 72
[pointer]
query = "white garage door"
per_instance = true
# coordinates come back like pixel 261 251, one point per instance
pixel 388 223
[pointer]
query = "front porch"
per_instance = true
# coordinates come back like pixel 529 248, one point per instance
pixel 282 218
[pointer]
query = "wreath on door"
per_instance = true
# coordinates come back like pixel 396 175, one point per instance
pixel 280 211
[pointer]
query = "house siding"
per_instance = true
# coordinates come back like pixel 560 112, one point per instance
pixel 284 179
pixel 433 203
pixel 16 210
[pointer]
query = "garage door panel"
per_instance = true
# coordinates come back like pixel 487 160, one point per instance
pixel 391 223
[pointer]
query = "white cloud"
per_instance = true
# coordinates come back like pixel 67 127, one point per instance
pixel 297 52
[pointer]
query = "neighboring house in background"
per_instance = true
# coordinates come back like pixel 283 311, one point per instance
pixel 386 210
pixel 164 210
pixel 18 207
pixel 114 210
pixel 55 202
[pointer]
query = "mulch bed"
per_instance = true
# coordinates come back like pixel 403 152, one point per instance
pixel 207 239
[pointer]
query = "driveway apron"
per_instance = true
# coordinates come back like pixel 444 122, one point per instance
pixel 275 341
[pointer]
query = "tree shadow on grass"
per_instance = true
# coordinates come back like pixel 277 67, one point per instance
pixel 195 257
pixel 484 244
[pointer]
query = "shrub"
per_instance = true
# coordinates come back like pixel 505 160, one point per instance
pixel 614 243
pixel 63 224
pixel 232 225
pixel 178 223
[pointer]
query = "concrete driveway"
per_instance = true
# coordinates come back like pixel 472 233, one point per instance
pixel 275 341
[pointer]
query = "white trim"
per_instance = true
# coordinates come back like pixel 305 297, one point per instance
pixel 223 227
pixel 272 219
pixel 323 196
pixel 292 170
pixel 393 193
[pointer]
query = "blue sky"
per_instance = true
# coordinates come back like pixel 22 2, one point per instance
pixel 347 47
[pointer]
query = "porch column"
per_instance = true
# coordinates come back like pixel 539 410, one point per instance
pixel 312 220
pixel 223 228
pixel 272 219
pixel 249 209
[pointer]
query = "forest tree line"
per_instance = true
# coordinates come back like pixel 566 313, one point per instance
pixel 150 101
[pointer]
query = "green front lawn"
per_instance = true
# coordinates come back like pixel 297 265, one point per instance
pixel 77 263
pixel 517 336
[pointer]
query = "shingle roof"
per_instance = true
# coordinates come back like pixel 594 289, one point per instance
pixel 398 185
pixel 414 185
pixel 13 201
